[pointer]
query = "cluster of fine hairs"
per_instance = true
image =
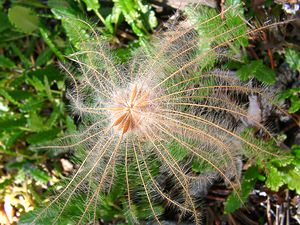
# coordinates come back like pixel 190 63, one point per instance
pixel 146 122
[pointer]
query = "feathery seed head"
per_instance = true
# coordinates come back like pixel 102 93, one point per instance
pixel 130 109
pixel 162 110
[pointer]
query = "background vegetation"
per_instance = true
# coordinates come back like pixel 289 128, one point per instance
pixel 35 35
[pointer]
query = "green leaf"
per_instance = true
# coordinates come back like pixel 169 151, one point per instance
pixel 51 45
pixel 284 171
pixel 6 183
pixel 24 59
pixel 1 3
pixel 293 95
pixel 23 18
pixel 4 22
pixel 43 136
pixel 70 124
pixel 200 166
pixel 229 31
pixel 70 16
pixel 37 84
pixel 177 151
pixel 47 88
pixel 12 137
pixel 44 57
pixel 77 31
pixel 274 178
pixel 92 5
pixel 39 175
pixel 296 151
pixel 292 57
pixel 139 16
pixel 62 8
pixel 235 200
pixel 258 70
pixel 9 124
pixel 32 104
pixel 293 179
pixel 113 18
pixel 115 15
pixel 54 116
pixel 6 95
pixel 35 122
pixel 295 104
pixel 152 20
pixel 51 71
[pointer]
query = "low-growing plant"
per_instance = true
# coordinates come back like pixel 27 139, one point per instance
pixel 157 130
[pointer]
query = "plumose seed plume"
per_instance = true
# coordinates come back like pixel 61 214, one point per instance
pixel 156 115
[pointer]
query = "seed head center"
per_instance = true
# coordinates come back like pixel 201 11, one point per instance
pixel 130 107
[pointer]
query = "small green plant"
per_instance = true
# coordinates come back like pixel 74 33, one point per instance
pixel 275 173
pixel 138 15
pixel 285 171
pixel 293 96
pixel 292 57
pixel 31 111
pixel 236 199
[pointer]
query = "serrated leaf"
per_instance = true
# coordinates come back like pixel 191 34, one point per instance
pixel 62 8
pixel 43 136
pixel 50 43
pixel 43 57
pixel 69 14
pixel 285 171
pixel 113 18
pixel 37 84
pixel 35 122
pixel 10 124
pixel 92 4
pixel 139 16
pixel 70 124
pixel 39 175
pixel 24 59
pixel 292 57
pixel 6 62
pixel 53 117
pixel 12 137
pixel 23 18
pixel 258 70
pixel 274 179
pixel 7 96
pixel 295 104
pixel 293 180
pixel 235 200
pixel 51 71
